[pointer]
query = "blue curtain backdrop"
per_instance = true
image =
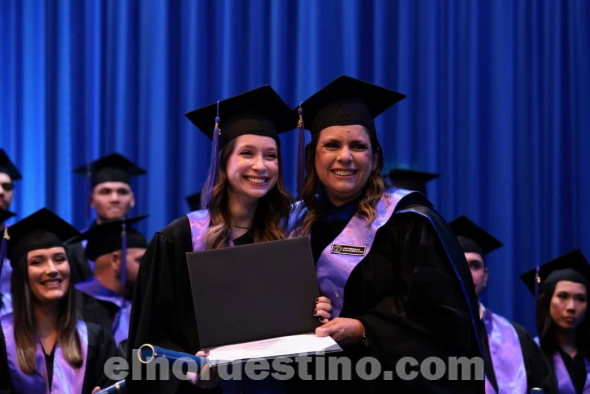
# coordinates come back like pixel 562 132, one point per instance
pixel 498 102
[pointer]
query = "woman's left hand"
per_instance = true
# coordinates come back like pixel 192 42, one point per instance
pixel 344 331
pixel 323 306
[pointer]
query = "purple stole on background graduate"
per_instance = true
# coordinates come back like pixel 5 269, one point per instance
pixel 350 246
pixel 506 355
pixel 66 378
pixel 6 307
pixel 564 382
pixel 94 288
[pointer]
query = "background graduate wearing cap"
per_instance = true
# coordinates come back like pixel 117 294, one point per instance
pixel 115 273
pixel 411 179
pixel 8 174
pixel 48 348
pixel 563 324
pixel 246 201
pixel 108 182
pixel 402 287
pixel 513 361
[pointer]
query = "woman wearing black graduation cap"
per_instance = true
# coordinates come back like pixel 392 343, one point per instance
pixel 48 348
pixel 245 201
pixel 396 277
pixel 563 322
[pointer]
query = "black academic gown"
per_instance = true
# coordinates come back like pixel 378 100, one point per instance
pixel 163 313
pixel 408 295
pixel 5 381
pixel 96 311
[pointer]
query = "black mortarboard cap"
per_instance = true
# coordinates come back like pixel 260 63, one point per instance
pixel 8 167
pixel 41 230
pixel 472 237
pixel 106 237
pixel 110 168
pixel 194 201
pixel 347 101
pixel 571 266
pixel 259 111
pixel 411 179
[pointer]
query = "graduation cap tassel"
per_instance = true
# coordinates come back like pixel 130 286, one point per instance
pixel 537 281
pixel 300 152
pixel 3 247
pixel 213 164
pixel 123 276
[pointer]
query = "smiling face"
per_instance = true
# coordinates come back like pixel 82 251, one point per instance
pixel 568 304
pixel 344 161
pixel 49 274
pixel 253 167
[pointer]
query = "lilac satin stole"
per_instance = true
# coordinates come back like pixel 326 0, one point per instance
pixel 6 307
pixel 334 267
pixel 199 222
pixel 66 379
pixel 120 326
pixel 564 382
pixel 506 355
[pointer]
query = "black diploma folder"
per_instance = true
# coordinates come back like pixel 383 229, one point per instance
pixel 253 292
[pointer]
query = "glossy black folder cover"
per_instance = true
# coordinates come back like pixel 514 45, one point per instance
pixel 253 292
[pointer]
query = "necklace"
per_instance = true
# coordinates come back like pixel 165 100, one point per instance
pixel 242 227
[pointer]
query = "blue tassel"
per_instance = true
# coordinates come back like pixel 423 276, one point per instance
pixel 213 164
pixel 123 277
pixel 300 153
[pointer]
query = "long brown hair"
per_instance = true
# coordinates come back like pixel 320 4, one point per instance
pixel 547 329
pixel 25 333
pixel 271 212
pixel 373 190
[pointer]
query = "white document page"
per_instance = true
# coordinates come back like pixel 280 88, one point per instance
pixel 270 348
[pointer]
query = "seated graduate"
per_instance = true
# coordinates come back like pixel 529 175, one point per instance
pixel 513 361
pixel 8 174
pixel 48 348
pixel 245 201
pixel 395 274
pixel 108 182
pixel 116 255
pixel 563 322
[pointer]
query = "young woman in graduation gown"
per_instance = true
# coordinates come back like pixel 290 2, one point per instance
pixel 48 349
pixel 563 323
pixel 396 276
pixel 246 201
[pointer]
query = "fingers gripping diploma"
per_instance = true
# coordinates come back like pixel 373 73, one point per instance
pixel 322 309
pixel 344 331
pixel 207 378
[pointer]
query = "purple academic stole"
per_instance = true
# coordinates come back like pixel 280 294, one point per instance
pixel 66 378
pixel 6 307
pixel 506 355
pixel 199 222
pixel 350 246
pixel 94 288
pixel 564 382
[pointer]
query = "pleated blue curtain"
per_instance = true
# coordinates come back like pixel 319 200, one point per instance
pixel 498 97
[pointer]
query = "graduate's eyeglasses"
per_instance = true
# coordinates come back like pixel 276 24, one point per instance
pixel 7 186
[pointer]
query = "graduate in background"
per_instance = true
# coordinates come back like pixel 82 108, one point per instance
pixel 48 348
pixel 8 174
pixel 411 179
pixel 513 361
pixel 245 201
pixel 563 324
pixel 395 274
pixel 115 275
pixel 108 183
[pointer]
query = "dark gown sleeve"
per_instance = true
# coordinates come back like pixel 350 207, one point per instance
pixel 101 347
pixel 96 311
pixel 162 313
pixel 538 369
pixel 414 294
pixel 5 379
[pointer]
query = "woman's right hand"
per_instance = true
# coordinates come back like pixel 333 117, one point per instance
pixel 207 378
pixel 323 306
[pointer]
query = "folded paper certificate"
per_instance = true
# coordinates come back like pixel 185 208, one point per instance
pixel 256 292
